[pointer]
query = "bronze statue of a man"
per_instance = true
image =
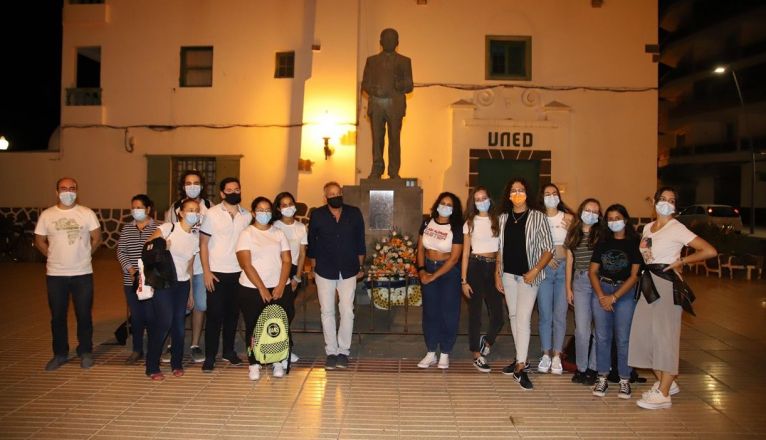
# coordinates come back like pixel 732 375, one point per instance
pixel 387 77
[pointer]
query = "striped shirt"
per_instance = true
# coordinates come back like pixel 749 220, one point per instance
pixel 130 245
pixel 582 253
pixel 538 239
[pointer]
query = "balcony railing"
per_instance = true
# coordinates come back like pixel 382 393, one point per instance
pixel 83 96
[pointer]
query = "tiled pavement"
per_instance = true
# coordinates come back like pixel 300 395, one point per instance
pixel 382 395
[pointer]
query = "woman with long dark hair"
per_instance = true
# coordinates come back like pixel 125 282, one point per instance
pixel 481 244
pixel 440 248
pixel 551 297
pixel 656 332
pixel 191 185
pixel 580 242
pixel 613 275
pixel 295 231
pixel 526 248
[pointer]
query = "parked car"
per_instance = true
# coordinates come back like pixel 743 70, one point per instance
pixel 724 216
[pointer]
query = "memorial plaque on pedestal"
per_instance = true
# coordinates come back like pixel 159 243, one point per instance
pixel 387 204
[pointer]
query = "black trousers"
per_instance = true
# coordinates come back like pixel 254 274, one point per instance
pixel 222 314
pixel 252 305
pixel 481 278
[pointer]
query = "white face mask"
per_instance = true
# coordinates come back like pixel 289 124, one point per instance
pixel 617 225
pixel 192 191
pixel 551 201
pixel 444 210
pixel 139 214
pixel 589 218
pixel 664 208
pixel 288 211
pixel 67 198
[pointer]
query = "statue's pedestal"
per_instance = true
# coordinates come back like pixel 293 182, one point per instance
pixel 387 204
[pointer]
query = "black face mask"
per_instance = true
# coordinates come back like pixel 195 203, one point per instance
pixel 232 198
pixel 335 202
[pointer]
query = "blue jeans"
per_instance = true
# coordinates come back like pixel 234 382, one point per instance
pixel 617 324
pixel 585 347
pixel 140 312
pixel 81 289
pixel 169 307
pixel 199 291
pixel 441 308
pixel 552 308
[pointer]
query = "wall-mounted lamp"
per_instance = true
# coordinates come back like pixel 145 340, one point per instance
pixel 4 144
pixel 328 150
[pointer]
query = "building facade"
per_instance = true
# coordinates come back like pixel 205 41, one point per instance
pixel 707 133
pixel 554 91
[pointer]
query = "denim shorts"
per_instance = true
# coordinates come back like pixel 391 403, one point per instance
pixel 199 291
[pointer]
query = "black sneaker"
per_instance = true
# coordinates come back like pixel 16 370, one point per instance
pixel 624 389
pixel 197 355
pixel 342 361
pixel 590 377
pixel 481 364
pixel 510 369
pixel 331 362
pixel 523 379
pixel 601 386
pixel 484 347
pixel 613 376
pixel 579 377
pixel 55 363
pixel 208 366
pixel 232 359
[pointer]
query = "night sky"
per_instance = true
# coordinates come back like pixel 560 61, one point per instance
pixel 30 88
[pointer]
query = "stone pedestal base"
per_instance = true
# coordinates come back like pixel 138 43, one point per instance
pixel 387 204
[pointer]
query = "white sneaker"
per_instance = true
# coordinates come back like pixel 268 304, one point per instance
pixel 545 364
pixel 674 388
pixel 254 372
pixel 654 400
pixel 278 371
pixel 443 361
pixel 556 367
pixel 428 361
pixel 294 358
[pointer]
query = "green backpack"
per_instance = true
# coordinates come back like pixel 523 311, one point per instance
pixel 271 338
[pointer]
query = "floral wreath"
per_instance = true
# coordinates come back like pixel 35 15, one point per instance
pixel 395 257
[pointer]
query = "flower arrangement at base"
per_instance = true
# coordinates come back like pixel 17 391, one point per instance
pixel 393 277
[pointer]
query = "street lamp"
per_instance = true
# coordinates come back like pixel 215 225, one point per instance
pixel 720 70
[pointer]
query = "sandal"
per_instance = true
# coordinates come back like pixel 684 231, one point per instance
pixel 157 376
pixel 178 373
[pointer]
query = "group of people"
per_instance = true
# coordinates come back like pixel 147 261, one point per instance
pixel 537 250
pixel 230 260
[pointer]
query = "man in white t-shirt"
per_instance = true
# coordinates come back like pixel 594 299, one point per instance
pixel 68 234
pixel 218 239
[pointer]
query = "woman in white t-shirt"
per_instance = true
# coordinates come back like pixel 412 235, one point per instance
pixel 656 329
pixel 552 304
pixel 263 253
pixel 440 249
pixel 295 231
pixel 170 305
pixel 481 244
